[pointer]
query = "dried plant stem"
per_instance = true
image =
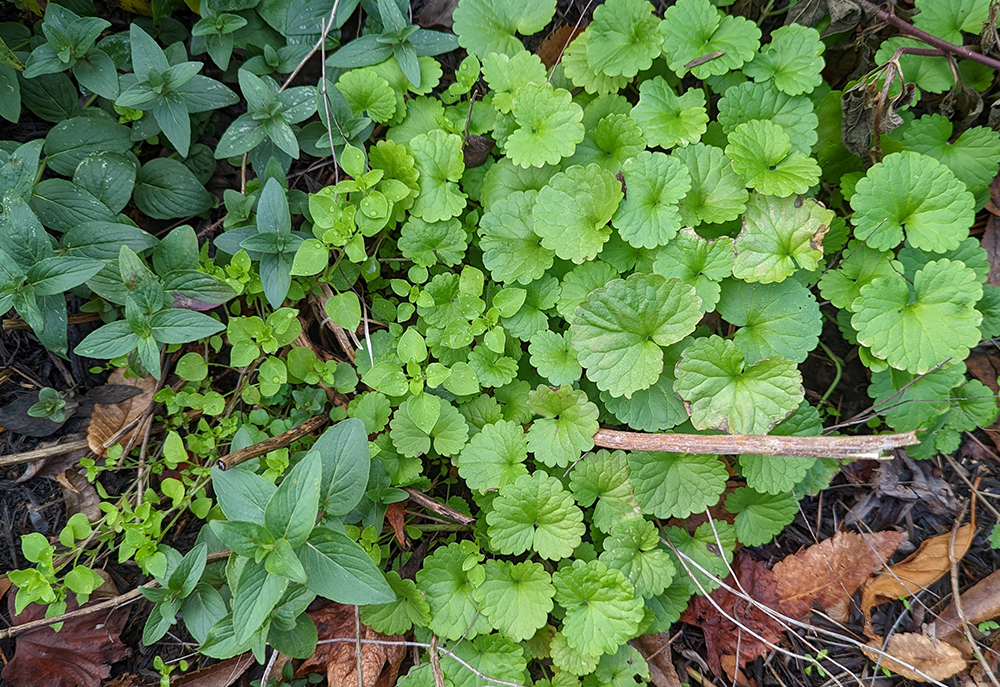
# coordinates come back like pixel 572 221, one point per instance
pixel 273 444
pixel 40 453
pixel 927 38
pixel 437 507
pixel 845 448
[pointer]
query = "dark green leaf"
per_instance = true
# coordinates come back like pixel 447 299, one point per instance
pixel 176 326
pixel 177 251
pixel 97 73
pixel 110 341
pixel 55 275
pixel 341 571
pixel 103 240
pixel 108 176
pixel 61 205
pixel 70 141
pixel 256 595
pixel 167 189
pixel 171 114
pixel 291 511
pixel 184 578
pixel 242 537
pixel 52 97
pixel 242 495
pixel 346 463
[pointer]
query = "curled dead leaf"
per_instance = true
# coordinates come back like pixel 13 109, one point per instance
pixel 828 573
pixel 937 660
pixel 108 420
pixel 552 47
pixel 80 495
pixel 379 662
pixel 925 566
pixel 656 650
pixel 979 603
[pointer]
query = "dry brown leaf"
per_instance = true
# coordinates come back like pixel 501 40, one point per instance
pixel 4 585
pixel 985 367
pixel 725 638
pixel 937 659
pixel 80 495
pixel 656 650
pixel 437 13
pixel 78 655
pixel 990 239
pixel 108 420
pixel 219 674
pixel 980 603
pixel 552 47
pixel 828 573
pixel 379 662
pixel 395 513
pixel 919 570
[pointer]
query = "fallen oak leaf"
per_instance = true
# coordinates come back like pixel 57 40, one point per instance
pixel 936 659
pixel 925 566
pixel 108 420
pixel 828 573
pixel 79 654
pixel 379 662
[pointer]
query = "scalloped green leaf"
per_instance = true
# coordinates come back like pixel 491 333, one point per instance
pixel 780 236
pixel 494 457
pixel 760 517
pixel 576 65
pixel 516 597
pixel 535 512
pixel 913 195
pixel 669 120
pixel 554 357
pixel 567 425
pixel 674 485
pixel 699 38
pixel 549 126
pixel 974 157
pixel 773 319
pixel 428 243
pixel 437 156
pixel 718 193
pixel 603 477
pixel 793 60
pixel 572 211
pixel 602 609
pixel 624 38
pixel 915 332
pixel 762 153
pixel 795 114
pixel 700 262
pixel 655 183
pixel 619 330
pixel 633 548
pixel 723 392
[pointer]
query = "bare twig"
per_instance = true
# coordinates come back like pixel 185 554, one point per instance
pixel 956 592
pixel 438 507
pixel 270 666
pixel 40 453
pixel 436 662
pixel 846 448
pixel 273 444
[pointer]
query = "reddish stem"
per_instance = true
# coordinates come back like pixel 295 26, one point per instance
pixel 927 38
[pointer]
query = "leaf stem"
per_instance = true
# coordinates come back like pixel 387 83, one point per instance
pixel 839 364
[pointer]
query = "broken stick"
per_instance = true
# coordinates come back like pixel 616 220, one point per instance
pixel 869 447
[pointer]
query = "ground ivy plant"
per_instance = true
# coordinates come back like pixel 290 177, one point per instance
pixel 655 234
